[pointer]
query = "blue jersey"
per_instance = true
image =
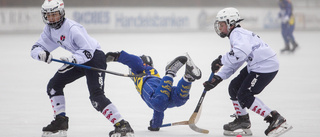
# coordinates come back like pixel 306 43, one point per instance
pixel 286 10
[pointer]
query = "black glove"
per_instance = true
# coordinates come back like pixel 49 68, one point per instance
pixel 112 56
pixel 208 85
pixel 216 65
pixel 153 129
pixel 45 56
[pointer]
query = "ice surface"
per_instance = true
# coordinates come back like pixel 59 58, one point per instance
pixel 25 107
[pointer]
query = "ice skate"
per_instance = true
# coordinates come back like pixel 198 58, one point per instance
pixel 286 48
pixel 278 125
pixel 240 126
pixel 147 60
pixel 112 56
pixel 192 72
pixel 295 46
pixel 122 129
pixel 173 67
pixel 57 128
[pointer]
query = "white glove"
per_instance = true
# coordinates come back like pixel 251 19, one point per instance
pixel 45 56
pixel 285 19
pixel 67 67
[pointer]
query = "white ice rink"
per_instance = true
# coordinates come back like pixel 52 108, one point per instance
pixel 25 107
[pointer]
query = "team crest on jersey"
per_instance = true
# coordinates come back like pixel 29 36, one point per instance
pixel 62 37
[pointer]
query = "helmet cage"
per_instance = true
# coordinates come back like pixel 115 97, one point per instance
pixel 216 28
pixel 228 15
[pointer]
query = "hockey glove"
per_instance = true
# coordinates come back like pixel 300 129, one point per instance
pixel 216 65
pixel 208 85
pixel 45 56
pixel 153 129
pixel 112 56
pixel 67 67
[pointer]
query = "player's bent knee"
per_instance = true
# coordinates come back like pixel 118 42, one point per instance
pixel 54 88
pixel 99 101
pixel 177 100
pixel 246 102
pixel 233 92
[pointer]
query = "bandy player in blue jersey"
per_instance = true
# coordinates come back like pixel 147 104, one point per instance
pixel 71 36
pixel 287 25
pixel 262 66
pixel 159 93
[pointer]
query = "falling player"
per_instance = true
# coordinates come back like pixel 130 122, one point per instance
pixel 262 67
pixel 62 32
pixel 159 93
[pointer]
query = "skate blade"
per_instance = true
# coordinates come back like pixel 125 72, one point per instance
pixel 243 132
pixel 119 135
pixel 196 71
pixel 283 128
pixel 60 133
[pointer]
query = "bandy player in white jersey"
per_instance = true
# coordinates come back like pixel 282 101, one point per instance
pixel 62 32
pixel 262 66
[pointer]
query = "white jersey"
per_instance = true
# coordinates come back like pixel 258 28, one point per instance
pixel 248 47
pixel 72 36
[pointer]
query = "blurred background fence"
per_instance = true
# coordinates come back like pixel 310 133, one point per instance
pixel 18 16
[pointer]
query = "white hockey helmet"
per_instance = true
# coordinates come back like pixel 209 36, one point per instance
pixel 230 16
pixel 50 6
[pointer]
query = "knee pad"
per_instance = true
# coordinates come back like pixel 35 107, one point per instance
pixel 233 91
pixel 245 100
pixel 177 101
pixel 236 83
pixel 53 89
pixel 178 98
pixel 99 101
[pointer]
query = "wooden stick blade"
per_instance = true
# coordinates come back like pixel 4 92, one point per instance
pixel 194 119
pixel 197 129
